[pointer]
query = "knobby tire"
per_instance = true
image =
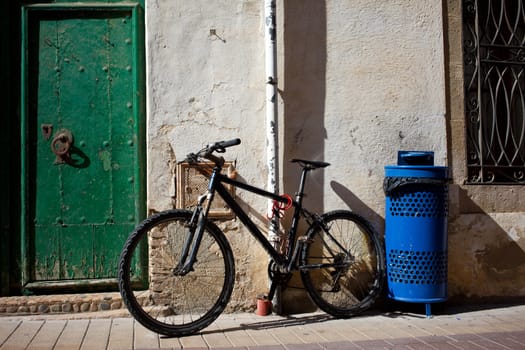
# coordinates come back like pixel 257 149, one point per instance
pixel 159 299
pixel 350 244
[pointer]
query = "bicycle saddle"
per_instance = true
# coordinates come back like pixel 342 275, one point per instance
pixel 310 164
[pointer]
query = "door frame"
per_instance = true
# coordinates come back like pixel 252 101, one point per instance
pixel 138 65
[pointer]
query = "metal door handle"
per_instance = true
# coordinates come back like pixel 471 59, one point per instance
pixel 62 143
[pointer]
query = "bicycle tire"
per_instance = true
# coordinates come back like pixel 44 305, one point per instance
pixel 175 305
pixel 351 289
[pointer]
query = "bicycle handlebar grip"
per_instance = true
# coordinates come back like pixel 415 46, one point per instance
pixel 226 144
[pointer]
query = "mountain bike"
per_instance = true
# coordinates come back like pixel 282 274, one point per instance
pixel 340 257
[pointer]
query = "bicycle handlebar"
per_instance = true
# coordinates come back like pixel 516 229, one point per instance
pixel 222 145
pixel 207 152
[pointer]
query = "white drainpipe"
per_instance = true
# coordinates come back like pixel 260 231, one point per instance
pixel 272 134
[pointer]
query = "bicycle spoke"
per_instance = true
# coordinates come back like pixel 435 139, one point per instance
pixel 349 261
pixel 178 304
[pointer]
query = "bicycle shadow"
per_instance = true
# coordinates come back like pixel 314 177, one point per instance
pixel 285 321
pixel 282 322
pixel 358 206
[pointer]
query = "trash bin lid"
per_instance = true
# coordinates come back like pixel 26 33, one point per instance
pixel 415 158
pixel 425 171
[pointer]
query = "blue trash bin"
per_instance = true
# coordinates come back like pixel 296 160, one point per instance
pixel 416 214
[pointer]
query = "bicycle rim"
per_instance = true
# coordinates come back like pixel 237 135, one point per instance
pixel 168 304
pixel 356 275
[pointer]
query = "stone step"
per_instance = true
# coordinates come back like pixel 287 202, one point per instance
pixel 61 303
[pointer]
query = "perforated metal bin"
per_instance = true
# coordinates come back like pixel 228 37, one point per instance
pixel 416 214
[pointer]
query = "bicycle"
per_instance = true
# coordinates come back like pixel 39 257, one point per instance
pixel 340 257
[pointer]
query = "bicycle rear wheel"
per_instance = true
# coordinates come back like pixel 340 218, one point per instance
pixel 171 304
pixel 342 264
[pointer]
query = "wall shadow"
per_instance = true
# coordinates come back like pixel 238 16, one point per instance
pixel 304 36
pixel 358 206
pixel 303 95
pixel 482 253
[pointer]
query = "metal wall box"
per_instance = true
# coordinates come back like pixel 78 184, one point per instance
pixel 192 181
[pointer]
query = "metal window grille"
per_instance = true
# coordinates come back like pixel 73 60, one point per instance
pixel 494 64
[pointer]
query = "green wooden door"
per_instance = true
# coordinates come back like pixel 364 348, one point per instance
pixel 82 110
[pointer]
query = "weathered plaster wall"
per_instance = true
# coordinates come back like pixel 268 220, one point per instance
pixel 362 80
pixel 384 93
pixel 487 255
pixel 203 87
pixel 205 84
pixel 359 86
pixel 358 81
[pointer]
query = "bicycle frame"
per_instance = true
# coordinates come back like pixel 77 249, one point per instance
pixel 289 257
pixel 216 185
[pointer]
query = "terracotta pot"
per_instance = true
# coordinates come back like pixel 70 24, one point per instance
pixel 264 307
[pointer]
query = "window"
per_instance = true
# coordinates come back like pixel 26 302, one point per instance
pixel 494 69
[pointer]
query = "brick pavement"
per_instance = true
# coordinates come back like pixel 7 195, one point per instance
pixel 496 327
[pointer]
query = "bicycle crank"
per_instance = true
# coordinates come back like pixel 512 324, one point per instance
pixel 278 277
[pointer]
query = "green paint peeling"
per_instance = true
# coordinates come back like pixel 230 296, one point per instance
pixel 105 157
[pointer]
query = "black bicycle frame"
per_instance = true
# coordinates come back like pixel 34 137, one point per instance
pixel 289 257
pixel 216 186
pixel 199 218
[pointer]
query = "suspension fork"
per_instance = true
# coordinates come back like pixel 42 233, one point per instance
pixel 196 227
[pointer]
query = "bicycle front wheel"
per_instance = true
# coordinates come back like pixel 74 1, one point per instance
pixel 162 301
pixel 342 264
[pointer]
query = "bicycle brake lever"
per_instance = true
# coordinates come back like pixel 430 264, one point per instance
pixel 191 158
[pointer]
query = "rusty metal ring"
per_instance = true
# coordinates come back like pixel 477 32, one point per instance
pixel 62 142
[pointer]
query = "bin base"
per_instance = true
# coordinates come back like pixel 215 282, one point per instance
pixel 418 300
pixel 428 310
pixel 428 303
